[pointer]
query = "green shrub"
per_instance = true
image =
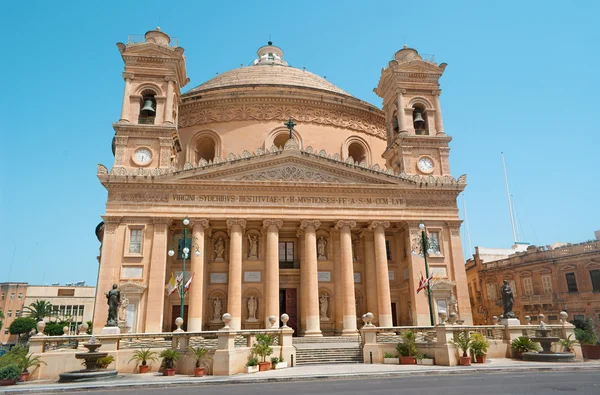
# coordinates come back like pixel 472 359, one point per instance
pixel 262 346
pixel 408 347
pixel 10 372
pixel 14 356
pixel 22 325
pixel 252 361
pixel 103 362
pixel 389 355
pixel 524 344
pixel 144 355
pixel 462 341
pixel 584 332
pixel 55 328
pixel 479 344
pixel 169 357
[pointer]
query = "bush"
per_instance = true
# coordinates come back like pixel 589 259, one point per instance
pixel 389 355
pixel 584 331
pixel 252 361
pixel 462 341
pixel 524 344
pixel 10 372
pixel 408 348
pixel 479 344
pixel 22 325
pixel 14 356
pixel 169 357
pixel 55 328
pixel 103 363
pixel 262 347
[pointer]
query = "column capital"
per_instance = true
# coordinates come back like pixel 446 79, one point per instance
pixel 276 222
pixel 171 78
pixel 454 227
pixel 343 222
pixel 310 223
pixel 236 221
pixel 200 222
pixel 111 223
pixel 161 224
pixel 127 75
pixel 375 224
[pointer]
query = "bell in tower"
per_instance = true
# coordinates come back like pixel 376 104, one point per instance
pixel 418 121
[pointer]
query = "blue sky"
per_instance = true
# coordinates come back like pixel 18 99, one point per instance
pixel 522 78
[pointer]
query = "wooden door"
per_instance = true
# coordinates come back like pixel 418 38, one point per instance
pixel 394 315
pixel 291 308
pixel 176 313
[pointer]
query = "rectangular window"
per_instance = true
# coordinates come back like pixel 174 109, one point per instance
pixel 595 276
pixel 3 295
pixel 12 295
pixel 547 284
pixel 6 331
pixel 286 251
pixel 17 313
pixel 492 290
pixel 388 250
pixel 9 313
pixel 434 242
pixel 571 282
pixel 66 292
pixel 20 296
pixel 578 317
pixel 513 286
pixel 135 241
pixel 527 286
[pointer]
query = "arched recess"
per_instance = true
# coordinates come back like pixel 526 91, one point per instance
pixel 323 246
pixel 252 299
pixel 423 110
pixel 252 247
pixel 326 305
pixel 205 144
pixel 357 148
pixel 279 136
pixel 219 247
pixel 217 306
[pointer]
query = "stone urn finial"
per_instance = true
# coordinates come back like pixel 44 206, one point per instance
pixel 272 320
pixel 443 315
pixel 226 319
pixel 495 320
pixel 527 320
pixel 563 317
pixel 65 331
pixel 542 318
pixel 284 319
pixel 178 323
pixel 83 328
pixel 369 319
pixel 452 317
pixel 40 325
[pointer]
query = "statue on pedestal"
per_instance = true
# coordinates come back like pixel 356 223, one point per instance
pixel 452 303
pixel 508 300
pixel 113 300
pixel 252 306
pixel 219 249
pixel 323 306
pixel 252 247
pixel 322 248
pixel 217 310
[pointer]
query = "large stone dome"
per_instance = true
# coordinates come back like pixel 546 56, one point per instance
pixel 268 70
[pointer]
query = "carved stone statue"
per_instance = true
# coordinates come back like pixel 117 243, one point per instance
pixel 219 249
pixel 217 309
pixel 113 299
pixel 322 248
pixel 252 247
pixel 323 306
pixel 123 309
pixel 354 250
pixel 452 303
pixel 252 305
pixel 508 300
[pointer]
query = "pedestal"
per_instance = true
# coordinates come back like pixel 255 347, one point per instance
pixel 510 321
pixel 111 330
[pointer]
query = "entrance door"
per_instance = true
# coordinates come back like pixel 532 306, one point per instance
pixel 394 315
pixel 288 303
pixel 176 313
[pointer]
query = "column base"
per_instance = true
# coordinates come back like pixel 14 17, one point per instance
pixel 350 332
pixel 313 333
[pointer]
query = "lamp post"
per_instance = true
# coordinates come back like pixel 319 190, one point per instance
pixel 425 246
pixel 184 236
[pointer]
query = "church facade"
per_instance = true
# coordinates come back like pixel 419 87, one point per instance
pixel 269 190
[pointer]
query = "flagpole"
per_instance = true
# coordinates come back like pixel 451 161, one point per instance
pixel 182 286
pixel 424 247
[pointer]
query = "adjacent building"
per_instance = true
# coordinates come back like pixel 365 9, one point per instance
pixel 543 279
pixel 301 198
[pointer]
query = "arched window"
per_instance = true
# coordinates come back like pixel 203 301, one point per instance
pixel 356 148
pixel 205 149
pixel 147 108
pixel 205 145
pixel 357 152
pixel 279 136
pixel 281 139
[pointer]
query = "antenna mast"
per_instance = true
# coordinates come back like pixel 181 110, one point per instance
pixel 512 221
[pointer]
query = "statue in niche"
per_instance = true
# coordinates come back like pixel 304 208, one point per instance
pixel 216 309
pixel 322 248
pixel 113 300
pixel 252 306
pixel 452 303
pixel 252 247
pixel 123 309
pixel 354 249
pixel 219 249
pixel 508 300
pixel 323 306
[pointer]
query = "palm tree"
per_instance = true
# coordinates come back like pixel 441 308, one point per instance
pixel 39 310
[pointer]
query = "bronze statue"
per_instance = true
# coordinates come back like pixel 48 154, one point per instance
pixel 114 299
pixel 508 300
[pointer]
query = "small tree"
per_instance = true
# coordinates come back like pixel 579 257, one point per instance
pixel 39 310
pixel 55 328
pixel 262 347
pixel 22 326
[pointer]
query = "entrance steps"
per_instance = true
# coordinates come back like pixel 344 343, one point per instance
pixel 328 350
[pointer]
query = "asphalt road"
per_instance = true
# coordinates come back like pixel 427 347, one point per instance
pixel 547 383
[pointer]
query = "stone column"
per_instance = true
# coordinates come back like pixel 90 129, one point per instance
pixel 370 273
pixel 347 264
pixel 155 302
pixel 303 289
pixel 439 125
pixel 459 272
pixel 338 287
pixel 311 297
pixel 125 109
pixel 196 292
pixel 169 100
pixel 272 226
pixel 400 112
pixel 234 295
pixel 384 301
pixel 107 270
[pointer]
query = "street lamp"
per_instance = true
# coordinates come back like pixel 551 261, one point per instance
pixel 187 239
pixel 425 246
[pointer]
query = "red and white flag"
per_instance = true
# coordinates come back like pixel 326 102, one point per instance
pixel 423 283
pixel 188 283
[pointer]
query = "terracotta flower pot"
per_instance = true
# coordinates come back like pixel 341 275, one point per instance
pixel 24 376
pixel 408 360
pixel 144 368
pixel 465 361
pixel 8 382
pixel 590 351
pixel 480 358
pixel 169 372
pixel 264 366
pixel 199 372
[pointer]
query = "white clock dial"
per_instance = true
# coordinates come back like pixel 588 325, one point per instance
pixel 143 156
pixel 425 165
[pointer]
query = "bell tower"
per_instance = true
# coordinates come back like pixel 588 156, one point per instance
pixel 146 135
pixel 416 142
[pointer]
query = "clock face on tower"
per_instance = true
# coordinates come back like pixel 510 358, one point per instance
pixel 142 156
pixel 425 164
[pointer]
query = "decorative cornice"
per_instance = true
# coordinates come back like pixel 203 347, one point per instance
pixel 272 222
pixel 345 223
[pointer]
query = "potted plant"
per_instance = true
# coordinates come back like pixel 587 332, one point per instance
pixel 252 365
pixel 479 347
pixel 587 337
pixel 523 344
pixel 10 374
pixel 169 357
pixel 199 354
pixel 390 359
pixel 424 359
pixel 144 355
pixel 278 363
pixel 463 342
pixel 103 362
pixel 568 344
pixel 26 362
pixel 407 348
pixel 262 348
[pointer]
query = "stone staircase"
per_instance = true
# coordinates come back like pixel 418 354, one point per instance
pixel 322 350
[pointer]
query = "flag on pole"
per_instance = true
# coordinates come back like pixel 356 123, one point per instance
pixel 179 280
pixel 423 283
pixel 188 283
pixel 171 285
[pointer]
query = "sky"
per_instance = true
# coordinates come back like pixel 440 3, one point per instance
pixel 522 78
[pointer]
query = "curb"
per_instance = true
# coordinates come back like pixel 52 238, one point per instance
pixel 97 386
